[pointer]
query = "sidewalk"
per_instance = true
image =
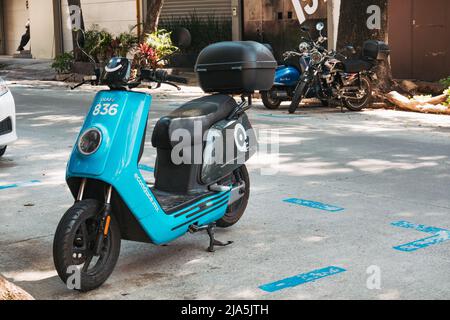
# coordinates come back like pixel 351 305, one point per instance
pixel 12 69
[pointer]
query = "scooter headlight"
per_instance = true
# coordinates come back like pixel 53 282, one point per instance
pixel 90 141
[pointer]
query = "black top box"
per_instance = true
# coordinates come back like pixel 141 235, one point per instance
pixel 236 67
pixel 376 50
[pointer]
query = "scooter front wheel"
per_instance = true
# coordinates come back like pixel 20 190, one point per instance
pixel 74 247
pixel 269 101
pixel 236 210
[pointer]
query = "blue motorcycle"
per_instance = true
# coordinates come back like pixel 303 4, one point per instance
pixel 113 201
pixel 288 75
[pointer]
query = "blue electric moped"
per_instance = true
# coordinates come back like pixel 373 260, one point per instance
pixel 288 74
pixel 113 201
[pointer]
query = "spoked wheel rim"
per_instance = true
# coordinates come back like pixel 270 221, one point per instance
pixel 365 91
pixel 83 248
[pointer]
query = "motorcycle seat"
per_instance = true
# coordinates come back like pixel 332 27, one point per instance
pixel 356 65
pixel 204 112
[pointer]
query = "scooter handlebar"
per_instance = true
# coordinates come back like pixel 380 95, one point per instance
pixel 161 76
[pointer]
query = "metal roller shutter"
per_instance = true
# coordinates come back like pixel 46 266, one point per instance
pixel 203 8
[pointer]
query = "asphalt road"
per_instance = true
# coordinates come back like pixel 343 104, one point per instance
pixel 370 170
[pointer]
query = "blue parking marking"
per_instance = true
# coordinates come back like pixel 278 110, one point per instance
pixel 19 185
pixel 314 205
pixel 146 168
pixel 301 279
pixel 438 236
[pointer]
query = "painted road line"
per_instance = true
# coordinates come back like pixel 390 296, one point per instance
pixel 439 236
pixel 301 279
pixel 146 168
pixel 20 185
pixel 418 227
pixel 314 205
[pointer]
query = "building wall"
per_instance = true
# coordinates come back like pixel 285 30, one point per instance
pixel 16 16
pixel 42 29
pixel 115 16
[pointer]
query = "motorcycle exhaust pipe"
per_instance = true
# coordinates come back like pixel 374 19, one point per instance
pixel 281 94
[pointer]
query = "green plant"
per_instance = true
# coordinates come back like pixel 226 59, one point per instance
pixel 161 42
pixel 63 62
pixel 97 43
pixel 204 30
pixel 145 56
pixel 157 46
pixel 123 43
pixel 445 82
pixel 447 92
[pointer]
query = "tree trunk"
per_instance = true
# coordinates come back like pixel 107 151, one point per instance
pixel 77 23
pixel 152 16
pixel 9 291
pixel 434 105
pixel 354 22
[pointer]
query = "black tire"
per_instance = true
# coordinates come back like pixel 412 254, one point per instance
pixel 237 209
pixel 70 234
pixel 269 102
pixel 325 103
pixel 298 97
pixel 364 102
pixel 2 151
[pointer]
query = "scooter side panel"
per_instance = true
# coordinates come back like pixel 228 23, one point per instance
pixel 286 76
pixel 116 163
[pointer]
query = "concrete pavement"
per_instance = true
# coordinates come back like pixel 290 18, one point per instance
pixel 379 166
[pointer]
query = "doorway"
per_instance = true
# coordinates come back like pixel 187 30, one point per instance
pixel 275 22
pixel 418 35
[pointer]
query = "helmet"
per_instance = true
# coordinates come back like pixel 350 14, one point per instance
pixel 117 72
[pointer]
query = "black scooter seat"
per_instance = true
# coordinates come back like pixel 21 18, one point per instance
pixel 204 111
pixel 356 65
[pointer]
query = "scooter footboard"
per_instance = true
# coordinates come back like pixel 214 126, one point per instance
pixel 139 214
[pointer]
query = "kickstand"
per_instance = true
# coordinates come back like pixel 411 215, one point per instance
pixel 212 241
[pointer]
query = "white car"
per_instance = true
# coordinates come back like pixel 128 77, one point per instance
pixel 7 118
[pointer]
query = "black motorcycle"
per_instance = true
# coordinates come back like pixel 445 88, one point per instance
pixel 334 77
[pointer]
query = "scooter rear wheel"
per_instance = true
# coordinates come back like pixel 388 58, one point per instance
pixel 74 244
pixel 236 210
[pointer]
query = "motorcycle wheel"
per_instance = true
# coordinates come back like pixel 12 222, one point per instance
pixel 74 243
pixel 236 210
pixel 298 97
pixel 358 105
pixel 270 102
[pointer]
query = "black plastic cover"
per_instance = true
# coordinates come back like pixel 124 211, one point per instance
pixel 236 67
pixel 376 50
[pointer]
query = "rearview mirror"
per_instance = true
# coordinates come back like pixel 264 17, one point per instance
pixel 181 38
pixel 350 49
pixel 320 26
